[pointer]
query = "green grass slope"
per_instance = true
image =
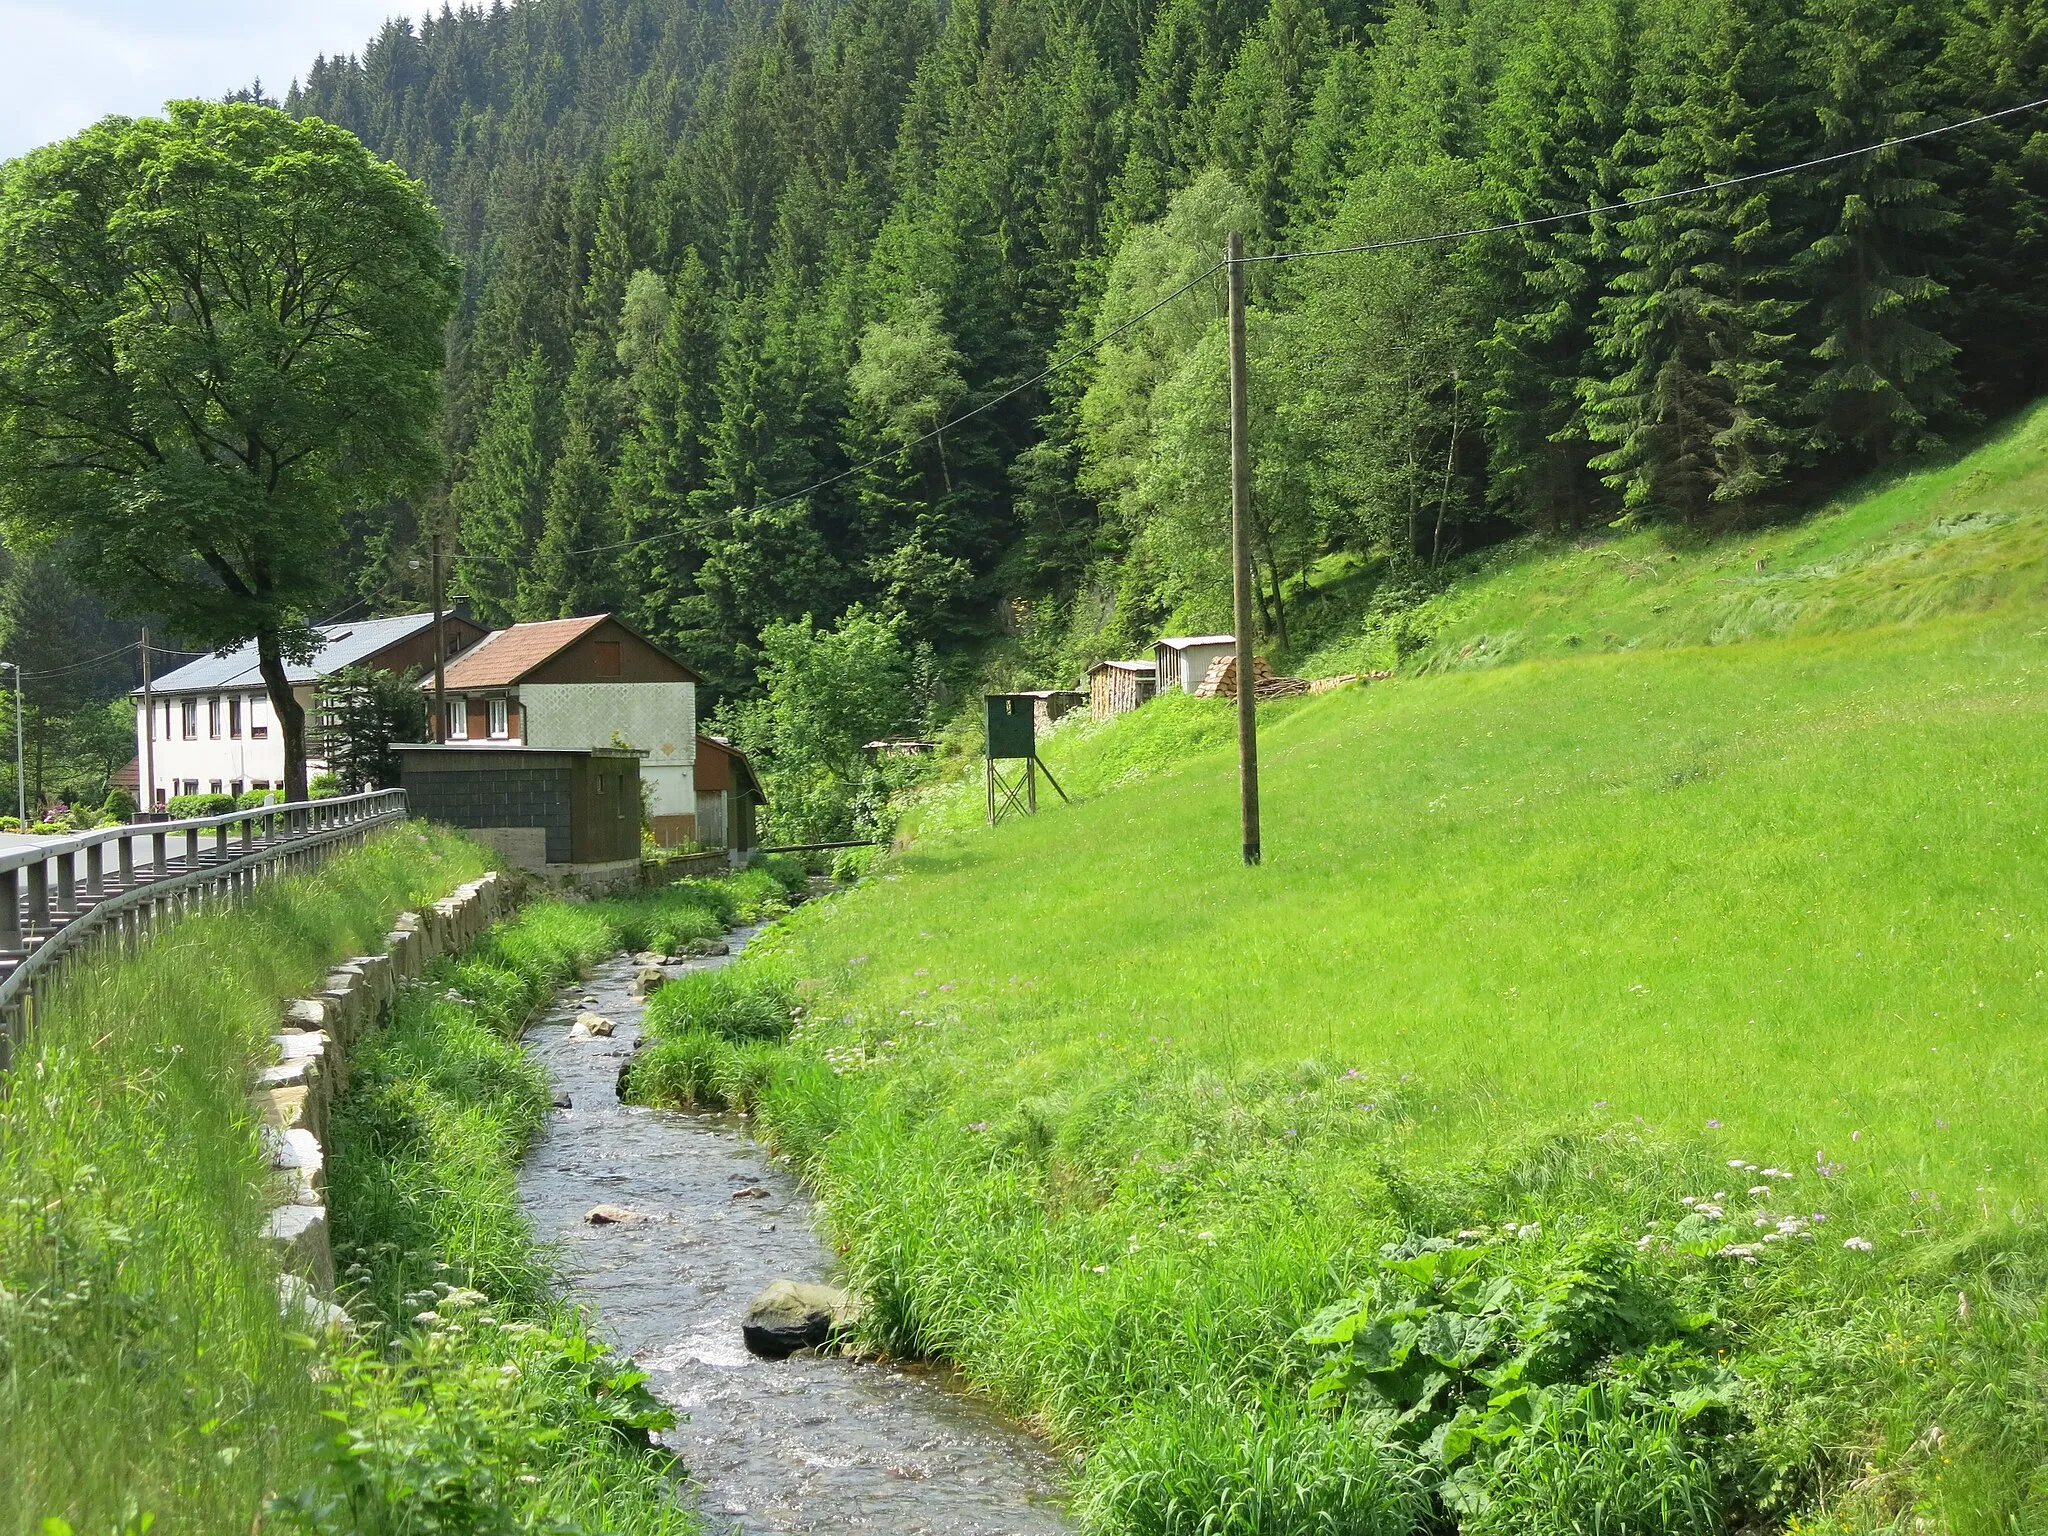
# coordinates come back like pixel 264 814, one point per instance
pixel 1572 946
pixel 1963 537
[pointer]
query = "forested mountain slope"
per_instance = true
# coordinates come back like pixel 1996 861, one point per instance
pixel 717 257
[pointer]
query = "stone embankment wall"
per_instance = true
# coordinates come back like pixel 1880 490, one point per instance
pixel 314 1038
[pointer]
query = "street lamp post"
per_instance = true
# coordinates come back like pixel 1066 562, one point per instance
pixel 20 781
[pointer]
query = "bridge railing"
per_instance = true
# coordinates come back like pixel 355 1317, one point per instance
pixel 67 895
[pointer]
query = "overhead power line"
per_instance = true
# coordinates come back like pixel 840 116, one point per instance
pixel 90 661
pixel 1441 238
pixel 1652 199
pixel 119 650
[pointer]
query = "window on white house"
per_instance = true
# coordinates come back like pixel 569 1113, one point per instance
pixel 216 788
pixel 500 720
pixel 259 718
pixel 167 719
pixel 235 721
pixel 191 786
pixel 213 717
pixel 235 787
pixel 189 709
pixel 458 718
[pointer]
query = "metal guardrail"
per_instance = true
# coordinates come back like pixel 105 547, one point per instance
pixel 60 897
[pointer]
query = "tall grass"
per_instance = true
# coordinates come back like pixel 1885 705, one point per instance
pixel 146 1371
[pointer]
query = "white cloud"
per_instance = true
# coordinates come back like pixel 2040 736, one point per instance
pixel 67 63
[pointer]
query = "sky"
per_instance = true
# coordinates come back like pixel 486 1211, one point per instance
pixel 67 63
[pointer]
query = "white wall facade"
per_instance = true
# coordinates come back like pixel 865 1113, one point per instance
pixel 659 719
pixel 216 758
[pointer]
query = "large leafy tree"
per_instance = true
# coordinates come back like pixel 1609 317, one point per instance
pixel 219 331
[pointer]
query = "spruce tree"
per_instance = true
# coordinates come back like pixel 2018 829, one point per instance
pixel 1561 109
pixel 574 566
pixel 501 494
pixel 1872 270
pixel 1697 325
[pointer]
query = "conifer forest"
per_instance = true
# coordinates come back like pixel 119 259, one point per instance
pixel 734 279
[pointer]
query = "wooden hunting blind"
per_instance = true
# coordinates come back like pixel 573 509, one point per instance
pixel 1012 724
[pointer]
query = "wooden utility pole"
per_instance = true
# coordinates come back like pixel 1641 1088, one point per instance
pixel 439 732
pixel 1241 559
pixel 148 730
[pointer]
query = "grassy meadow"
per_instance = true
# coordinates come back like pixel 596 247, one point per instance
pixel 1703 977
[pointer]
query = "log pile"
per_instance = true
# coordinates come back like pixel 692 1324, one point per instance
pixel 1221 681
pixel 1325 684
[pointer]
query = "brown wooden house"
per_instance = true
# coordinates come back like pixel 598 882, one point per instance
pixel 589 683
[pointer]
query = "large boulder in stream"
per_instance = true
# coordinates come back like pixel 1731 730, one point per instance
pixel 590 1026
pixel 648 980
pixel 790 1315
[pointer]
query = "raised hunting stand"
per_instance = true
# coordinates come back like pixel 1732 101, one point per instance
pixel 1013 737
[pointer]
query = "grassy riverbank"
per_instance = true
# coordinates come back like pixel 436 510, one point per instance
pixel 146 1373
pixel 1689 994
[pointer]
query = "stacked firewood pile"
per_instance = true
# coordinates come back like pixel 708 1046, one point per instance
pixel 1221 681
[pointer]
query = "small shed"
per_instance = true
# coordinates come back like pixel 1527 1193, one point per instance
pixel 1050 705
pixel 1183 660
pixel 729 798
pixel 557 811
pixel 1118 687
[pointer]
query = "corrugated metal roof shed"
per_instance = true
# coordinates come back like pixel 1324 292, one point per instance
pixel 1182 642
pixel 341 645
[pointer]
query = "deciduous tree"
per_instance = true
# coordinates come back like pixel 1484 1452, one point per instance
pixel 218 331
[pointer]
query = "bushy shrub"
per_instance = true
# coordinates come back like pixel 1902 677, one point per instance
pixel 325 786
pixel 184 807
pixel 851 863
pixel 119 805
pixel 1503 1364
pixel 250 799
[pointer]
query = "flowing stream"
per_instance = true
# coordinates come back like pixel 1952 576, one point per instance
pixel 798 1445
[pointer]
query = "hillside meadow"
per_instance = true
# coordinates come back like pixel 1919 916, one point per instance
pixel 1675 980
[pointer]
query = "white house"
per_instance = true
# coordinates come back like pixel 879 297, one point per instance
pixel 588 682
pixel 209 729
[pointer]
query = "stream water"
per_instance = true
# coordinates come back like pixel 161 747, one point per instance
pixel 798 1445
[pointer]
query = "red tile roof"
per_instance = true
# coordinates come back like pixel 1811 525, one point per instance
pixel 504 656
